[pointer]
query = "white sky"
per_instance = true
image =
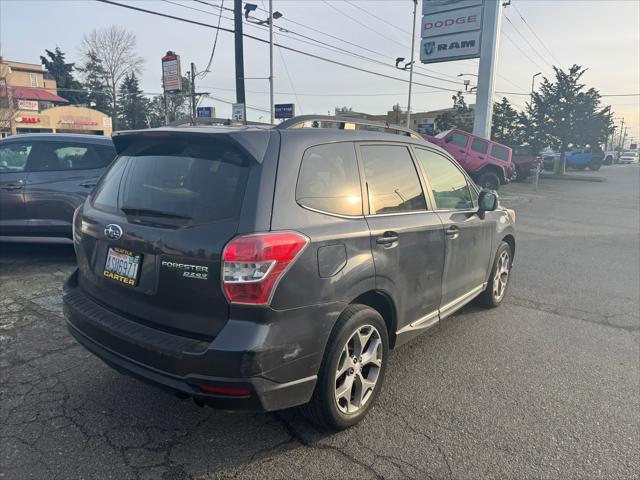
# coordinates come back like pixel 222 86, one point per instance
pixel 601 35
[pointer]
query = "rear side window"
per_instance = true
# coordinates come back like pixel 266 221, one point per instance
pixel 13 156
pixel 329 180
pixel 57 156
pixel 199 180
pixel 392 180
pixel 479 146
pixel 499 152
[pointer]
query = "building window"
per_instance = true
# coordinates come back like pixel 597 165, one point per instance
pixel 34 79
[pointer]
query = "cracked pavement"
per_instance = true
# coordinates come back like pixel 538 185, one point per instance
pixel 545 386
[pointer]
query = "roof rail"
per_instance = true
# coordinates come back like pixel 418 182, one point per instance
pixel 343 122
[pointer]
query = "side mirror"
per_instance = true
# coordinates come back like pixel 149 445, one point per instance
pixel 447 140
pixel 487 202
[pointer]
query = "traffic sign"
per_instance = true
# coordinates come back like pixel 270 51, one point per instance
pixel 285 110
pixel 204 112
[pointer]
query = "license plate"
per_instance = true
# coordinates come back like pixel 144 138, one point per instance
pixel 122 266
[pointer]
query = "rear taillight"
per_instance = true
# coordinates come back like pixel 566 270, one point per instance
pixel 253 264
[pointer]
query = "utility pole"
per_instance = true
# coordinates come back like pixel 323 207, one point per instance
pixel 491 24
pixel 271 108
pixel 237 23
pixel 413 43
pixel 533 82
pixel 621 129
pixel 193 93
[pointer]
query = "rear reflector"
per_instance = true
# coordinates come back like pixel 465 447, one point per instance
pixel 253 264
pixel 234 392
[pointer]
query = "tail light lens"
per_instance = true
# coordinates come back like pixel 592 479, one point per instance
pixel 253 265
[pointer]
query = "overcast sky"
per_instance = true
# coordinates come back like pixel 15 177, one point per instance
pixel 601 35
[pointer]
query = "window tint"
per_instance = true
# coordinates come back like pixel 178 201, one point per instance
pixel 459 139
pixel 448 184
pixel 203 181
pixel 480 146
pixel 329 179
pixel 13 157
pixel 499 152
pixel 392 179
pixel 55 156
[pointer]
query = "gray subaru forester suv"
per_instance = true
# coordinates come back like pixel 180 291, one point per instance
pixel 265 268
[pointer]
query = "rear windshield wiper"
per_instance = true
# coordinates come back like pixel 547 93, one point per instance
pixel 147 212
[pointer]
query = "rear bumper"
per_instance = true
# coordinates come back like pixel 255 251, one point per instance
pixel 244 356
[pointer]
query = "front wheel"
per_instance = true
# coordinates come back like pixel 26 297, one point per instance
pixel 352 370
pixel 595 165
pixel 498 283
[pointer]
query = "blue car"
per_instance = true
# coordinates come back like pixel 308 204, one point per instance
pixel 581 158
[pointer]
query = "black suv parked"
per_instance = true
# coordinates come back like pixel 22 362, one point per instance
pixel 264 268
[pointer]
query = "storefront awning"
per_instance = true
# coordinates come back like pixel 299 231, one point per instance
pixel 34 93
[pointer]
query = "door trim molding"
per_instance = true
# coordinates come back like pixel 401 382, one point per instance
pixel 432 318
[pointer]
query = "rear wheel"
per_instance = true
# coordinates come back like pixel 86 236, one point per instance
pixel 498 283
pixel 489 181
pixel 595 165
pixel 352 369
pixel 608 160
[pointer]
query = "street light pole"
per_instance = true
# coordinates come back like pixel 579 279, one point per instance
pixel 533 80
pixel 271 61
pixel 413 43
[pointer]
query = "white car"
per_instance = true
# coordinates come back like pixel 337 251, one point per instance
pixel 630 156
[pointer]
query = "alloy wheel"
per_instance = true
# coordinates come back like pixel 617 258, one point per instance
pixel 358 369
pixel 501 276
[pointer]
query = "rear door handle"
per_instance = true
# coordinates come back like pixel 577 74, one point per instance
pixel 388 239
pixel 88 184
pixel 453 232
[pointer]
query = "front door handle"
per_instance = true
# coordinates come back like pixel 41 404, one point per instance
pixel 13 186
pixel 88 184
pixel 388 239
pixel 453 232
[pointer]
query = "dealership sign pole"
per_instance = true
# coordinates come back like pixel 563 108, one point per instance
pixel 462 29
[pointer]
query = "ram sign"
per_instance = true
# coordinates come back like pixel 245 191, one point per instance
pixel 451 30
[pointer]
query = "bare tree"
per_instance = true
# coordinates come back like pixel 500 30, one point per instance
pixel 115 48
pixel 8 107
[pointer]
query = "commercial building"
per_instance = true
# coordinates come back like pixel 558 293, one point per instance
pixel 29 103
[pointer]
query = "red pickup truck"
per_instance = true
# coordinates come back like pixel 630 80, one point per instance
pixel 488 163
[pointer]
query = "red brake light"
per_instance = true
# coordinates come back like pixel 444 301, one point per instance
pixel 236 392
pixel 253 264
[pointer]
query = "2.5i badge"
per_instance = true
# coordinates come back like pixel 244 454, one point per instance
pixel 198 272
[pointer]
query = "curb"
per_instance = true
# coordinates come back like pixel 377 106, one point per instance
pixel 573 178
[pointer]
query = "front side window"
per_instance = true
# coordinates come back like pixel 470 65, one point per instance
pixel 499 152
pixel 13 157
pixel 459 139
pixel 449 186
pixel 329 179
pixel 392 181
pixel 479 146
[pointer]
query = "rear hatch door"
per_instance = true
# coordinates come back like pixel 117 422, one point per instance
pixel 153 232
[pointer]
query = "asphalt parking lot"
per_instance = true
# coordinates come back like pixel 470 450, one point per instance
pixel 546 386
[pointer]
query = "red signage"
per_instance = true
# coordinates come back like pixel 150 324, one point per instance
pixel 27 119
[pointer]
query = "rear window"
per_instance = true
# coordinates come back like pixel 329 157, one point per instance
pixel 499 152
pixel 203 181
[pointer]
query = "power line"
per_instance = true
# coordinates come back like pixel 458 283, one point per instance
pixel 523 52
pixel 385 21
pixel 536 35
pixel 286 47
pixel 525 39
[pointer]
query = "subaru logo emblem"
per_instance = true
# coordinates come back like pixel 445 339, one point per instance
pixel 113 231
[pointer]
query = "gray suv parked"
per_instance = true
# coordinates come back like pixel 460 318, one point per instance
pixel 43 179
pixel 267 268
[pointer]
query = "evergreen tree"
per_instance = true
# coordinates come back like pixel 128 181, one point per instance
pixel 95 84
pixel 461 117
pixel 62 72
pixel 505 125
pixel 177 106
pixel 565 113
pixel 132 106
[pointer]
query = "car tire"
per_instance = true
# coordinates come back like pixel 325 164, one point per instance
pixel 498 283
pixel 489 181
pixel 343 368
pixel 608 160
pixel 595 165
pixel 521 175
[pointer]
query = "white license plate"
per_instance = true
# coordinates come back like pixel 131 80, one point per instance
pixel 122 266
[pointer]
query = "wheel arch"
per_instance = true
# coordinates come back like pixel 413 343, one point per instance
pixel 382 303
pixel 510 239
